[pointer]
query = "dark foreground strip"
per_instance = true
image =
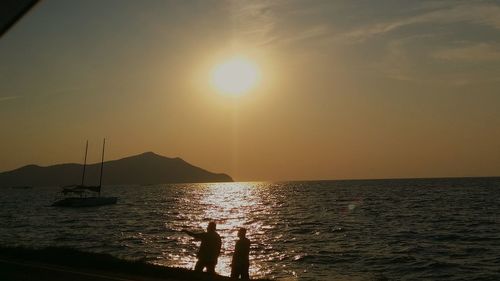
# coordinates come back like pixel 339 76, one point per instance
pixel 36 268
pixel 65 264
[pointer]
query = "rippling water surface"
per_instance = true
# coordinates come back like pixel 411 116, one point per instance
pixel 440 229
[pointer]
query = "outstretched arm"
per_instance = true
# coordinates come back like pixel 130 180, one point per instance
pixel 196 236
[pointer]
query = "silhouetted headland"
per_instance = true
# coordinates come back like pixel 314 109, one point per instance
pixel 146 168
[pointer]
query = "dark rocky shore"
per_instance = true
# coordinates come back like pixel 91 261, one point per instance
pixel 56 264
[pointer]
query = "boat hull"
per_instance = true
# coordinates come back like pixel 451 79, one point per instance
pixel 75 202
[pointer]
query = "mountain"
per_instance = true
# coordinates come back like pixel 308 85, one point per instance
pixel 146 168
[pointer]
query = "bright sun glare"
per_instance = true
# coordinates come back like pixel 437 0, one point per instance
pixel 235 76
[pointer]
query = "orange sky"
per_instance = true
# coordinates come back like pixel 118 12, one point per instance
pixel 348 90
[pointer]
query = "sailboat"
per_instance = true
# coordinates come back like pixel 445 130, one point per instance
pixel 83 195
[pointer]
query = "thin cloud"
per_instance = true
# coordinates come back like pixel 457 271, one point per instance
pixel 8 98
pixel 274 23
pixel 313 32
pixel 482 14
pixel 253 21
pixel 264 23
pixel 480 52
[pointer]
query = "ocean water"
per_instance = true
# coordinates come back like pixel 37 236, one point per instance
pixel 423 229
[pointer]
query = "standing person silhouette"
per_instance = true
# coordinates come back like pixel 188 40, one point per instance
pixel 209 249
pixel 240 262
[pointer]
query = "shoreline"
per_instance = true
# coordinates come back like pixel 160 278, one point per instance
pixel 59 263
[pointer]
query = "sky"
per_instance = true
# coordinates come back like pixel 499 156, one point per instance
pixel 348 89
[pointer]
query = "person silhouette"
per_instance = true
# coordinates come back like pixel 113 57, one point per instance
pixel 210 246
pixel 240 262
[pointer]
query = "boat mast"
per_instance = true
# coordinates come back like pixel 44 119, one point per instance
pixel 85 161
pixel 102 163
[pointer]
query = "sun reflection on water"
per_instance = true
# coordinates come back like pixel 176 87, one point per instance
pixel 230 205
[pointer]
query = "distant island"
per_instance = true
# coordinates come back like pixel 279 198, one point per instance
pixel 146 168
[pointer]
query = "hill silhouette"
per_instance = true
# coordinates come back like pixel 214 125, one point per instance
pixel 146 168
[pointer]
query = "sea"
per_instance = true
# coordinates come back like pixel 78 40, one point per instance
pixel 401 229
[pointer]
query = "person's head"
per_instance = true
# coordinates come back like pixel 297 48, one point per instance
pixel 242 232
pixel 211 227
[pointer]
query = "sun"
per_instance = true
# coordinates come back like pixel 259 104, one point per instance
pixel 235 76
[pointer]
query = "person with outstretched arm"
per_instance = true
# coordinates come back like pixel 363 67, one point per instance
pixel 210 247
pixel 240 262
